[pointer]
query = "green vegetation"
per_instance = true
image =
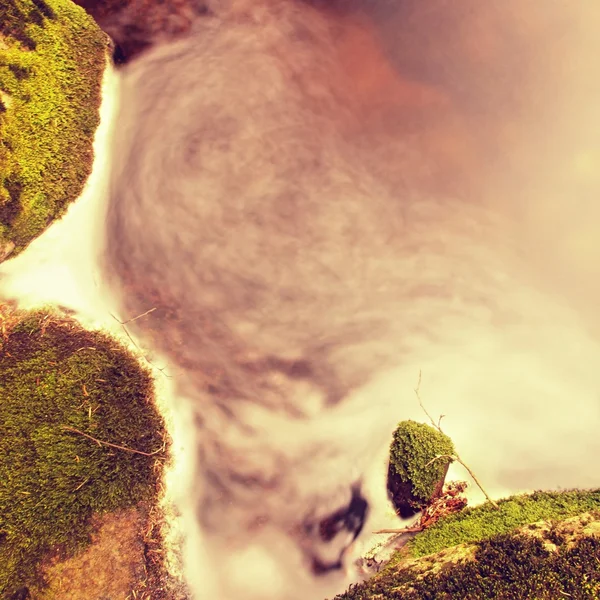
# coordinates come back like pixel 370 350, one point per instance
pixel 54 374
pixel 484 522
pixel 52 56
pixel 545 545
pixel 413 455
pixel 549 566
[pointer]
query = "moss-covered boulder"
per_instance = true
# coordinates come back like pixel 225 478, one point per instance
pixel 52 56
pixel 544 546
pixel 79 437
pixel 418 466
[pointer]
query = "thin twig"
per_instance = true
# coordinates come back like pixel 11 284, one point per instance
pixel 437 457
pixel 81 485
pixel 417 393
pixel 138 317
pixel 101 443
pixel 455 457
pixel 492 502
pixel 405 530
pixel 122 323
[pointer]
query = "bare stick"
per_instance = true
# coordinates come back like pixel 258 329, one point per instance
pixel 405 530
pixel 101 443
pixel 138 317
pixel 123 323
pixel 437 457
pixel 417 393
pixel 455 457
pixel 81 484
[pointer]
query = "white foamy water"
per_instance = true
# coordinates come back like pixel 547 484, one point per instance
pixel 60 268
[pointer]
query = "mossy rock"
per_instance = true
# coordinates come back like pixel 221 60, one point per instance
pixel 416 476
pixel 52 57
pixel 544 546
pixel 59 384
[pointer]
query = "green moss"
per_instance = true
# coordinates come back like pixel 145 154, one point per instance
pixel 542 546
pixel 54 374
pixel 483 522
pixel 413 457
pixel 52 56
pixel 505 567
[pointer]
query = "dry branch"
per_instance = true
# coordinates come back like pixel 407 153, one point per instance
pixel 405 530
pixel 101 443
pixel 455 457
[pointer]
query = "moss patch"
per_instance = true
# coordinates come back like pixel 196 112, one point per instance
pixel 544 546
pixel 484 522
pixel 543 561
pixel 52 56
pixel 54 374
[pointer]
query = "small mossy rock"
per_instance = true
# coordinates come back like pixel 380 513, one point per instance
pixel 415 476
pixel 52 58
pixel 79 436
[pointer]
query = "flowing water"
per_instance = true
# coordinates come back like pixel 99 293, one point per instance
pixel 317 205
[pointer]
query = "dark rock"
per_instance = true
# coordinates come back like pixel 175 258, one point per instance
pixel 402 497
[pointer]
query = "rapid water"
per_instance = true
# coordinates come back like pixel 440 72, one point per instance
pixel 307 258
